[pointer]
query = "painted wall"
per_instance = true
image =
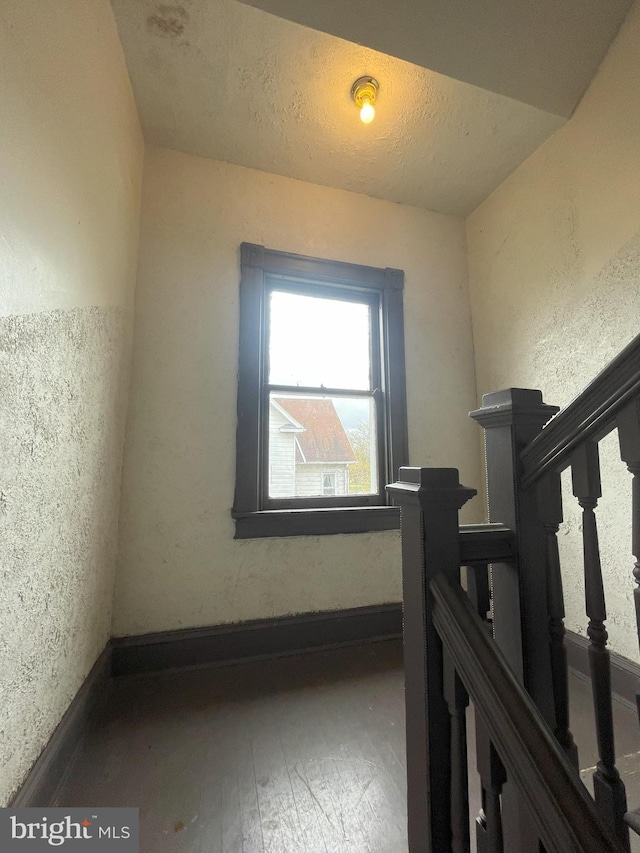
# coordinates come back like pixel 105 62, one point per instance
pixel 70 171
pixel 179 565
pixel 554 268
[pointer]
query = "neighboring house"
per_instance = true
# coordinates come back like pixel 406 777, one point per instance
pixel 309 450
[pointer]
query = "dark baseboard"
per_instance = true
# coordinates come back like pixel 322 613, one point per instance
pixel 248 640
pixel 625 674
pixel 196 647
pixel 261 638
pixel 42 783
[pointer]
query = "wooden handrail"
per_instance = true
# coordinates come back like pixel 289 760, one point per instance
pixel 563 811
pixel 590 416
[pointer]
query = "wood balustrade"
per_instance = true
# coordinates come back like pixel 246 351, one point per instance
pixel 550 506
pixel 438 686
pixel 609 789
pixel 628 423
pixel 502 644
pixel 516 743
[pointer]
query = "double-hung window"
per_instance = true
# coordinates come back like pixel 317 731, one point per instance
pixel 321 395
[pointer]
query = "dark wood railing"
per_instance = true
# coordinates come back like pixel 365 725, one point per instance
pixel 563 811
pixel 591 416
pixel 514 585
pixel 611 402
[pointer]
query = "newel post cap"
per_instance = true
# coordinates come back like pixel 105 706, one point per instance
pixel 513 406
pixel 429 487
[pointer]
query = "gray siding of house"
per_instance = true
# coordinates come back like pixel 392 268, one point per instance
pixel 309 478
pixel 281 457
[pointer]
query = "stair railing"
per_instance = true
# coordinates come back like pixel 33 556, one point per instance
pixel 525 751
pixel 449 656
pixel 611 402
pixel 513 573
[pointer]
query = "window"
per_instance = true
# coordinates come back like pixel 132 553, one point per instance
pixel 329 483
pixel 321 395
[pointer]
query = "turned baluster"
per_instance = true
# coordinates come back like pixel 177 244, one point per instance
pixel 609 790
pixel 550 510
pixel 489 838
pixel 628 423
pixel 629 437
pixel 457 700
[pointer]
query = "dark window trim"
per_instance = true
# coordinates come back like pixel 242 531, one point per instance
pixel 315 522
pixel 258 263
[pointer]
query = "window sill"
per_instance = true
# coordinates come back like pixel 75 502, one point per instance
pixel 315 522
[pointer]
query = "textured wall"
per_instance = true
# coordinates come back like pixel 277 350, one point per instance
pixel 70 158
pixel 179 565
pixel 554 268
pixel 60 377
pixel 70 172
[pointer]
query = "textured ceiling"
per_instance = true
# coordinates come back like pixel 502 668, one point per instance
pixel 541 52
pixel 231 82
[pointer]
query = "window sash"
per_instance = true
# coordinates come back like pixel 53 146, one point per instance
pixel 373 301
pixel 372 499
pixel 321 290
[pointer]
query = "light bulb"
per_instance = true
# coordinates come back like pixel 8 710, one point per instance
pixel 367 111
pixel 364 92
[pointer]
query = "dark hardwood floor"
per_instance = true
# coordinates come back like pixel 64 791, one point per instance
pixel 300 753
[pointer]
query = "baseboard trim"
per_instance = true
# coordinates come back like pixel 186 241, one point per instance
pixel 256 639
pixel 247 640
pixel 41 785
pixel 195 647
pixel 625 673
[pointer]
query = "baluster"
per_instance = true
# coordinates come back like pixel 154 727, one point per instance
pixel 610 795
pixel 457 700
pixel 478 588
pixel 629 437
pixel 492 777
pixel 550 509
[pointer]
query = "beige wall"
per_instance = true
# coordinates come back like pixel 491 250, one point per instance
pixel 554 268
pixel 179 565
pixel 70 171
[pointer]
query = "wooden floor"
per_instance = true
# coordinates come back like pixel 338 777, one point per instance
pixel 301 753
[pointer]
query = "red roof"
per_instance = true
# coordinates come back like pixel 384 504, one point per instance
pixel 324 438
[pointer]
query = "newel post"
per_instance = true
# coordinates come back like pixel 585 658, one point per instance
pixel 511 419
pixel 430 499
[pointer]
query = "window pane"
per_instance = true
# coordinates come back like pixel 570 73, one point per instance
pixel 321 446
pixel 315 341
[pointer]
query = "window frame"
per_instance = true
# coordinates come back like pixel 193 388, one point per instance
pixel 383 288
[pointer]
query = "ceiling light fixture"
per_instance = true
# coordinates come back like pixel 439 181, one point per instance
pixel 364 92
